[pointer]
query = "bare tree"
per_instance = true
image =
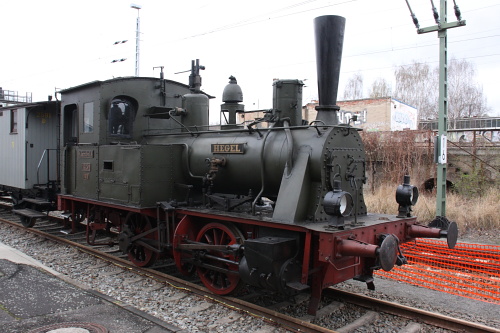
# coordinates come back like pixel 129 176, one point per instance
pixel 465 97
pixel 380 88
pixel 354 87
pixel 417 85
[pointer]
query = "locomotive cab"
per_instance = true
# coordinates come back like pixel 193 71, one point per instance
pixel 103 123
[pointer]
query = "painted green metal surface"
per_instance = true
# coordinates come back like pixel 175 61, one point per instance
pixel 441 29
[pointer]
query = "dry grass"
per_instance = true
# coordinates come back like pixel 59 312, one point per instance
pixel 476 213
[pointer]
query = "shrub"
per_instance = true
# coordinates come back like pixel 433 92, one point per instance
pixel 471 212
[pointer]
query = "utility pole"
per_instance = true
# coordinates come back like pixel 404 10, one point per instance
pixel 441 140
pixel 137 38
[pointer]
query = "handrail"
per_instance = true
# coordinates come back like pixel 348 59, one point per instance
pixel 46 151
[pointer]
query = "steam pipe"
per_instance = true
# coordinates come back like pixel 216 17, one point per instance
pixel 329 34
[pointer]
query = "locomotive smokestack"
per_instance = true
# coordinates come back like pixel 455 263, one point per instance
pixel 329 33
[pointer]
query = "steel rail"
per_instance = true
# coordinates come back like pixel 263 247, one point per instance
pixel 427 317
pixel 270 316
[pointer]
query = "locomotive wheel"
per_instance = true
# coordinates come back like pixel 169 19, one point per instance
pixel 218 282
pixel 139 254
pixel 185 230
pixel 27 222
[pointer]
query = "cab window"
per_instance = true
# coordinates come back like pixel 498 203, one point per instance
pixel 88 117
pixel 121 117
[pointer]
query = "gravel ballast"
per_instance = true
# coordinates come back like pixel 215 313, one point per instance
pixel 195 314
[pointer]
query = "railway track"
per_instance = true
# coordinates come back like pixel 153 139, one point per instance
pixel 279 313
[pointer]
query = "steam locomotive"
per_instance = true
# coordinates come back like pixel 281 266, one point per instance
pixel 276 203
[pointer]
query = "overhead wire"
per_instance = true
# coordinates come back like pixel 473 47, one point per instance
pixel 255 20
pixel 250 20
pixel 266 18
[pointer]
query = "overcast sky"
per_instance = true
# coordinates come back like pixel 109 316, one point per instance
pixel 62 43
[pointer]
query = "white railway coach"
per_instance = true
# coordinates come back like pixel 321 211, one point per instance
pixel 28 146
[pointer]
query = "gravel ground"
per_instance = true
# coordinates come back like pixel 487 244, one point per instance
pixel 174 306
pixel 195 314
pixel 480 237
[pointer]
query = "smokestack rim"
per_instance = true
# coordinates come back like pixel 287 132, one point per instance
pixel 327 108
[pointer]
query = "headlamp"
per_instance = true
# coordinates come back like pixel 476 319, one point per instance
pixel 338 204
pixel 406 196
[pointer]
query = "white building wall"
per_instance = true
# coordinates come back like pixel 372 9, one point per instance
pixel 403 116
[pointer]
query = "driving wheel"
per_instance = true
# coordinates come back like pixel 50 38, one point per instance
pixel 139 251
pixel 224 278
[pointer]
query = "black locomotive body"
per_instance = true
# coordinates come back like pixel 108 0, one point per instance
pixel 277 203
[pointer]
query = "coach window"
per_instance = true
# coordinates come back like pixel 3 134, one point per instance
pixel 88 117
pixel 13 121
pixel 121 117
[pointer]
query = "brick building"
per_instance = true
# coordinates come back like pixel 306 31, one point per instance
pixel 374 114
